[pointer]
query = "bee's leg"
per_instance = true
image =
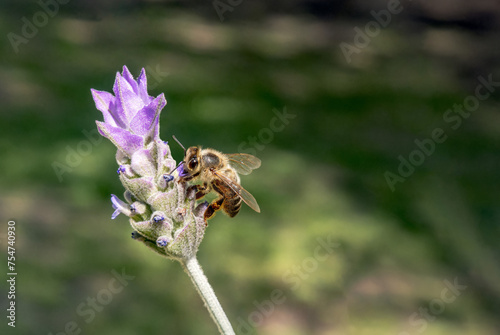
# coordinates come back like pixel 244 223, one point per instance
pixel 214 206
pixel 201 190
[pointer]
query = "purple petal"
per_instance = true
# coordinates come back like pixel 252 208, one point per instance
pixel 119 206
pixel 118 104
pixel 181 171
pixel 130 79
pixel 127 99
pixel 115 201
pixel 106 102
pixel 145 122
pixel 143 87
pixel 121 169
pixel 115 214
pixel 154 131
pixel 122 139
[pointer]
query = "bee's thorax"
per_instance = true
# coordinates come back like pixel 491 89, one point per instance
pixel 210 160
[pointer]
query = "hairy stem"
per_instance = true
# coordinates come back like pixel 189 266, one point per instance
pixel 200 281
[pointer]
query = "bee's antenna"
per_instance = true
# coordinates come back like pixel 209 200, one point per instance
pixel 176 167
pixel 175 138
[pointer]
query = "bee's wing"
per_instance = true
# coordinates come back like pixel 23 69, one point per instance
pixel 243 163
pixel 238 189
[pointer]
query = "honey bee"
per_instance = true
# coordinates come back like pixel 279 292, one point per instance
pixel 219 172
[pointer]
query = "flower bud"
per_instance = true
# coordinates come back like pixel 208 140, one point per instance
pixel 164 180
pixel 142 188
pixel 129 197
pixel 142 163
pixel 139 208
pixel 162 241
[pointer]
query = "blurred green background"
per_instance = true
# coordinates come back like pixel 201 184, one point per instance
pixel 323 176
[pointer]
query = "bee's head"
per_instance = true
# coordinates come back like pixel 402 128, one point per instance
pixel 192 160
pixel 190 166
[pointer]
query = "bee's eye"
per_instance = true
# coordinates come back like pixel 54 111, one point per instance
pixel 193 162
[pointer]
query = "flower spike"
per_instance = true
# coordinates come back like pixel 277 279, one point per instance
pixel 162 210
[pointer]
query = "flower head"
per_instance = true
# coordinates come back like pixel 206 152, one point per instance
pixel 162 212
pixel 131 116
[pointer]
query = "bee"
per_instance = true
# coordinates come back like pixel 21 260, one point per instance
pixel 219 172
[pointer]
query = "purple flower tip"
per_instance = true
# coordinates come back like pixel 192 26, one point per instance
pixel 131 115
pixel 120 169
pixel 115 201
pixel 168 177
pixel 162 241
pixel 181 171
pixel 119 206
pixel 158 218
pixel 115 214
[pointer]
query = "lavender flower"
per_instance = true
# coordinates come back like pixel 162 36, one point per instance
pixel 147 170
pixel 161 209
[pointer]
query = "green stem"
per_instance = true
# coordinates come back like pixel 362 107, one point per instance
pixel 200 281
